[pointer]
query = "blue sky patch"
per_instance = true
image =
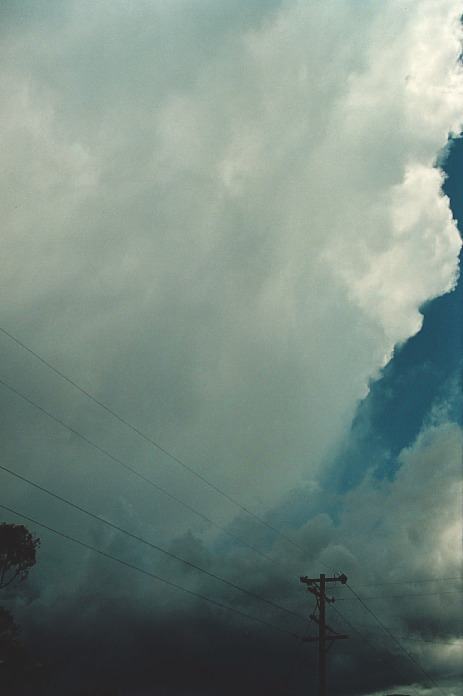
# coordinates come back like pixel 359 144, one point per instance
pixel 418 376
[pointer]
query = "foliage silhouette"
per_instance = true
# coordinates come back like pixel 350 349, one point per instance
pixel 17 553
pixel 17 556
pixel 17 668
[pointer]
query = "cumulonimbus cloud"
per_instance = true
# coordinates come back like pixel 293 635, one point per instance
pixel 224 227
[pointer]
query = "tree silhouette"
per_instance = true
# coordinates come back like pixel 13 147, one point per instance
pixel 17 667
pixel 10 647
pixel 17 553
pixel 8 628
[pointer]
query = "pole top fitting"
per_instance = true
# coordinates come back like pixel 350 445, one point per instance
pixel 306 580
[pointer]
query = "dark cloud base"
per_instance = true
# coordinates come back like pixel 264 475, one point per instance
pixel 112 649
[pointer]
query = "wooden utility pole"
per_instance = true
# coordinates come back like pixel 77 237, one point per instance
pixel 317 587
pixel 321 638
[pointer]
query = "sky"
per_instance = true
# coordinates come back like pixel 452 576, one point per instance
pixel 236 225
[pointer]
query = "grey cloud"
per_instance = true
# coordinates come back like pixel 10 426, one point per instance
pixel 197 230
pixel 387 530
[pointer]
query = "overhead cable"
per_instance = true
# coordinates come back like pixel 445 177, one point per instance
pixel 370 644
pixel 134 471
pixel 159 578
pixel 152 545
pixel 396 640
pixel 234 501
pixel 399 596
pixel 412 582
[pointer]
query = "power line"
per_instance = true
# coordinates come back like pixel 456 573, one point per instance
pixel 374 647
pixel 386 630
pixel 156 547
pixel 410 594
pixel 412 582
pixel 428 640
pixel 369 642
pixel 419 639
pixel 133 471
pixel 153 442
pixel 377 650
pixel 170 583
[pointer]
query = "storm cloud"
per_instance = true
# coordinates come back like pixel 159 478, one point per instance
pixel 222 219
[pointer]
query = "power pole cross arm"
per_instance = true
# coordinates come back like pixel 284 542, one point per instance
pixel 314 639
pixel 313 581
